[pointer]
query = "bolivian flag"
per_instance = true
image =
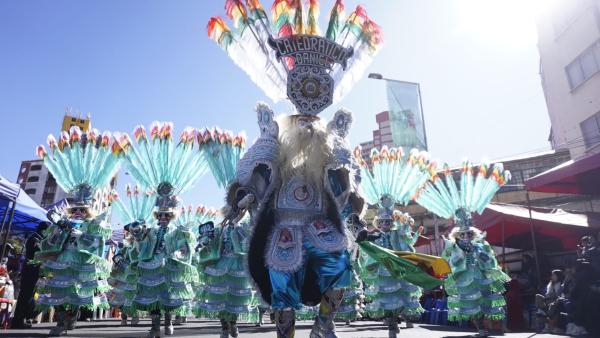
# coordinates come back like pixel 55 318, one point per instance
pixel 422 270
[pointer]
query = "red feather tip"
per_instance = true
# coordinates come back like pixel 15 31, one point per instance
pixel 75 133
pixel 166 131
pixel 212 25
pixel 105 139
pixel 232 5
pixel 51 141
pixel 64 138
pixel 92 135
pixel 41 151
pixel 139 132
pixel 114 195
pixel 361 12
pixel 338 6
pixel 254 5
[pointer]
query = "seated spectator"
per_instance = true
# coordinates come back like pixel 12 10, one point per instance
pixel 554 289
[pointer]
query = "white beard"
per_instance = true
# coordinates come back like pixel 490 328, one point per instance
pixel 302 152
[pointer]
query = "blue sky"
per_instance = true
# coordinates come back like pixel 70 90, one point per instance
pixel 130 62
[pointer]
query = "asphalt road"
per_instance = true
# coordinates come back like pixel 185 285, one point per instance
pixel 202 328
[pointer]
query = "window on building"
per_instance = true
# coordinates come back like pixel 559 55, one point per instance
pixel 30 191
pixel 590 129
pixel 586 65
pixel 33 179
pixel 73 119
pixel 36 167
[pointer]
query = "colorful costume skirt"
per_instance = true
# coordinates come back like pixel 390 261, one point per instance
pixel 226 291
pixel 391 296
pixel 72 278
pixel 473 294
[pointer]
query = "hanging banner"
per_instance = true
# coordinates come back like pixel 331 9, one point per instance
pixel 406 116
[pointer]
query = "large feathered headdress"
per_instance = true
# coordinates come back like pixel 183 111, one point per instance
pixel 394 174
pixel 192 218
pixel 81 162
pixel 458 199
pixel 161 165
pixel 222 151
pixel 275 53
pixel 137 206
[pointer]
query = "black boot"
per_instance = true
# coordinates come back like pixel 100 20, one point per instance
pixel 224 329
pixel 60 329
pixel 155 329
pixel 233 329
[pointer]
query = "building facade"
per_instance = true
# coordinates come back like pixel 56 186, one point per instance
pixel 39 184
pixel 569 46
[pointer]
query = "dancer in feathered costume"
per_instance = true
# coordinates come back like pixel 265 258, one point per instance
pixel 226 292
pixel 165 251
pixel 72 251
pixel 124 275
pixel 296 178
pixel 192 218
pixel 294 183
pixel 476 284
pixel 393 178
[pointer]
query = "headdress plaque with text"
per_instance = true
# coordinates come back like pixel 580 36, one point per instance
pixel 309 85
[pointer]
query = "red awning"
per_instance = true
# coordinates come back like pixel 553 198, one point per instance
pixel 572 177
pixel 554 229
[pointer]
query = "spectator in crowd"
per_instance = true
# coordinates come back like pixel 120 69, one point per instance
pixel 554 289
pixel 585 291
pixel 514 305
pixel 25 309
pixel 7 292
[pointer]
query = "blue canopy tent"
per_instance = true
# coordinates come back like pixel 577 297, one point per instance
pixel 18 212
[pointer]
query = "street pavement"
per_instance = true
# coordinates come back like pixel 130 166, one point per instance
pixel 202 328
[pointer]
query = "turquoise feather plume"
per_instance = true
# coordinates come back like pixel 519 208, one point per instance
pixel 393 174
pixel 140 205
pixel 80 158
pixel 478 185
pixel 157 158
pixel 222 151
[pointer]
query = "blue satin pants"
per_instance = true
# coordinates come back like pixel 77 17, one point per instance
pixel 333 270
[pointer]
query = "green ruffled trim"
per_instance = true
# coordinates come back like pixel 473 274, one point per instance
pixel 497 316
pixel 181 310
pixel 98 229
pixel 454 317
pixel 379 314
pixel 351 316
pixel 251 317
pixel 180 293
pixel 181 276
pixel 91 307
pixel 146 307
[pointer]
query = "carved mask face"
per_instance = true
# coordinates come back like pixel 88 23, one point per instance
pixel 384 225
pixel 164 218
pixel 78 213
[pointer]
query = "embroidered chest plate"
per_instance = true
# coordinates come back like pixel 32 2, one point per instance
pixel 296 194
